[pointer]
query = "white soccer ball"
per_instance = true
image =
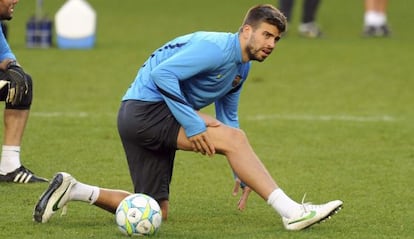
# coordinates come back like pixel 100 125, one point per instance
pixel 138 214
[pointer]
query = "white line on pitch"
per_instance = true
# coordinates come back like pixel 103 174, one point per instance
pixel 60 114
pixel 259 117
pixel 380 118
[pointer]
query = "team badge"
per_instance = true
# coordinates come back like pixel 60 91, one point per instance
pixel 236 81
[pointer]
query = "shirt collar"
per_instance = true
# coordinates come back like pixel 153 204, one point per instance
pixel 237 47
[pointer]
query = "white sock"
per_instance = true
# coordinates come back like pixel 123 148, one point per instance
pixel 376 19
pixel 382 18
pixel 84 192
pixel 10 159
pixel 283 204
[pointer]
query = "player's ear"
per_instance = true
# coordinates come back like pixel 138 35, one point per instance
pixel 246 31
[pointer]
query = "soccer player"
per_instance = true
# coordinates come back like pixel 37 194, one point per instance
pixel 16 91
pixel 308 27
pixel 159 114
pixel 375 19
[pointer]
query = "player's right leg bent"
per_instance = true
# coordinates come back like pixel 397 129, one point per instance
pixel 54 198
pixel 148 132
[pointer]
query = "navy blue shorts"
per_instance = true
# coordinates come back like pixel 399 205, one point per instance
pixel 149 132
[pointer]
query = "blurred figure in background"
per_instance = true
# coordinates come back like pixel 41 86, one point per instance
pixel 375 19
pixel 308 27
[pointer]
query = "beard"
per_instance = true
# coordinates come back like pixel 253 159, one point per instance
pixel 254 54
pixel 5 17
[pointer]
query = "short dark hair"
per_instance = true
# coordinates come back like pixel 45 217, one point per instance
pixel 266 13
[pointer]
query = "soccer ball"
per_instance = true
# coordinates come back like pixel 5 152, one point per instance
pixel 138 214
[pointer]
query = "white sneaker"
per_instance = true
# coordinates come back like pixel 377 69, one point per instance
pixel 312 214
pixel 54 198
pixel 309 30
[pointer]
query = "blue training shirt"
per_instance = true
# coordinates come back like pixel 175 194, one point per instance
pixel 192 72
pixel 5 51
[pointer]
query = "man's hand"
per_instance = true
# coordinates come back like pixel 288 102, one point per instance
pixel 18 86
pixel 245 193
pixel 201 142
pixel 4 64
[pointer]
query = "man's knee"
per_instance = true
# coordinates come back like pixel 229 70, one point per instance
pixel 237 138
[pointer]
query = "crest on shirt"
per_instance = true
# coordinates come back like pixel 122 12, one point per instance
pixel 236 81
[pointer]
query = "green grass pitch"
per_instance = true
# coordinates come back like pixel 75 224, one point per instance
pixel 331 117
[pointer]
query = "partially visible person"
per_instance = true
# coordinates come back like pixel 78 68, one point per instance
pixel 5 29
pixel 375 19
pixel 308 26
pixel 160 114
pixel 17 92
